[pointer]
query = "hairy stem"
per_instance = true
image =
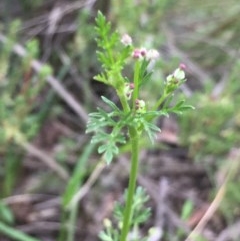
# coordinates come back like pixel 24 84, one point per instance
pixel 123 101
pixel 134 138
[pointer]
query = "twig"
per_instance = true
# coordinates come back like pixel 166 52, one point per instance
pixel 64 9
pixel 161 210
pixel 163 193
pixel 40 227
pixel 55 83
pixel 44 157
pixel 24 198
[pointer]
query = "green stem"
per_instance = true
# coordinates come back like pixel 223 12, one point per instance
pixel 136 81
pixel 160 101
pixel 72 222
pixel 134 138
pixel 123 100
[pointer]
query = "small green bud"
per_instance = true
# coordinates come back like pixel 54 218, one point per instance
pixel 120 225
pixel 177 78
pixel 140 106
pixel 128 89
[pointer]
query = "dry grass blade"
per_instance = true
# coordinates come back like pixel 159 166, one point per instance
pixel 231 171
pixel 197 231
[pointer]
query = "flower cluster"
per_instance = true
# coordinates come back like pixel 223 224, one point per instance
pixel 151 54
pixel 176 78
pixel 140 53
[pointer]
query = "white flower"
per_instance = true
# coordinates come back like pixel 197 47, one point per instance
pixel 179 74
pixel 152 54
pixel 126 40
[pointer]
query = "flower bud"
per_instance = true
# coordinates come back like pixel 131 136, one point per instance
pixel 143 52
pixel 107 223
pixel 136 54
pixel 128 89
pixel 139 53
pixel 131 86
pixel 175 79
pixel 140 106
pixel 182 66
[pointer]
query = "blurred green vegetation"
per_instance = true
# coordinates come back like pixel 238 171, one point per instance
pixel 20 88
